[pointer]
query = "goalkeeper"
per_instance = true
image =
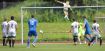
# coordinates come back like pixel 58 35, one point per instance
pixel 81 32
pixel 66 6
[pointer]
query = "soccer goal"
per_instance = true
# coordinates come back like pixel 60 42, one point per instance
pixel 52 21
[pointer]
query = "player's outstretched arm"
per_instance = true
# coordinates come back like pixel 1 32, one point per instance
pixel 59 1
pixel 71 30
pixel 99 30
pixel 16 26
pixel 7 28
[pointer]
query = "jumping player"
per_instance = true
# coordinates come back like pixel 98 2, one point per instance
pixel 4 31
pixel 96 32
pixel 12 27
pixel 66 7
pixel 74 29
pixel 32 24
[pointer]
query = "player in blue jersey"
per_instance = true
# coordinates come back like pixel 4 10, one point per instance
pixel 87 29
pixel 32 24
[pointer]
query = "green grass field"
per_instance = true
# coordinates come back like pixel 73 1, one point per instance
pixel 56 26
pixel 51 20
pixel 55 47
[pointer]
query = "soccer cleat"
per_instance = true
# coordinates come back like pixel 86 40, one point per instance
pixel 33 44
pixel 66 17
pixel 89 43
pixel 80 43
pixel 85 42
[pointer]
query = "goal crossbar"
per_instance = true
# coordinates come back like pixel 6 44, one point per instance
pixel 100 17
pixel 67 7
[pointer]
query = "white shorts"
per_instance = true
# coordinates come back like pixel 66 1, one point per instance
pixel 75 34
pixel 96 34
pixel 11 34
pixel 5 34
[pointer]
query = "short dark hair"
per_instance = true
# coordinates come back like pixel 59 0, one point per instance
pixel 74 20
pixel 12 17
pixel 84 17
pixel 94 21
pixel 32 16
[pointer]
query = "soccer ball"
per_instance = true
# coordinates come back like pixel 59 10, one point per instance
pixel 41 31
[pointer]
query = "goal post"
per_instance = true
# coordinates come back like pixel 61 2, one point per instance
pixel 22 12
pixel 22 40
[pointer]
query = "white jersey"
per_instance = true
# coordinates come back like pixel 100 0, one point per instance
pixel 66 6
pixel 12 27
pixel 4 28
pixel 75 26
pixel 95 27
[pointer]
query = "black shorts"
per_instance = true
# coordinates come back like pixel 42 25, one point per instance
pixel 11 36
pixel 75 38
pixel 4 37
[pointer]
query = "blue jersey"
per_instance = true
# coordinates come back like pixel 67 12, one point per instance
pixel 87 27
pixel 32 23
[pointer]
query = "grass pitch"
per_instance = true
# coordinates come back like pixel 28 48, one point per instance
pixel 55 47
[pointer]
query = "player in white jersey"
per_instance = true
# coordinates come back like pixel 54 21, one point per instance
pixel 74 30
pixel 96 32
pixel 4 31
pixel 12 26
pixel 66 7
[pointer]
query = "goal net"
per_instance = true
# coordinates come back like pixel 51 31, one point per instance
pixel 52 24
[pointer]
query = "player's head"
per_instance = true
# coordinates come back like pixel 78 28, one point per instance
pixel 84 17
pixel 12 17
pixel 67 2
pixel 74 20
pixel 94 21
pixel 32 16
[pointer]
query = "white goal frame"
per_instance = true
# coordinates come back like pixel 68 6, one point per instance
pixel 22 39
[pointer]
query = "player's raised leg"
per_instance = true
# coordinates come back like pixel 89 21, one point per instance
pixel 35 40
